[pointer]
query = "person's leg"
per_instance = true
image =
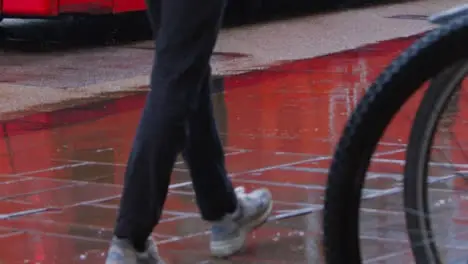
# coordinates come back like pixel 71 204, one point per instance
pixel 186 36
pixel 232 213
pixel 204 155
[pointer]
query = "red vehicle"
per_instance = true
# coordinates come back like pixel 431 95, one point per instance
pixel 55 8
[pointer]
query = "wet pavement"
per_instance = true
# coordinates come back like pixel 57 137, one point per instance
pixel 61 171
pixel 62 165
pixel 46 62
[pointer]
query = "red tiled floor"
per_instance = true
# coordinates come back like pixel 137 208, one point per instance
pixel 23 186
pixel 40 226
pixel 40 248
pixel 279 127
pixel 285 177
pixel 78 172
pixel 274 123
pixel 9 207
pixel 266 244
pixel 72 195
pixel 23 164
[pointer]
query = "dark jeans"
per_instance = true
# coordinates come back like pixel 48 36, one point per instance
pixel 178 116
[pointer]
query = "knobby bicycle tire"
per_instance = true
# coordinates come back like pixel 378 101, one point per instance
pixel 404 76
pixel 438 96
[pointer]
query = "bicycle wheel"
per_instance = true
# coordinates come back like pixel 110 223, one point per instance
pixel 424 59
pixel 441 94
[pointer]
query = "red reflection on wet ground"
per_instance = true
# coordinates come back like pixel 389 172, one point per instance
pixel 61 172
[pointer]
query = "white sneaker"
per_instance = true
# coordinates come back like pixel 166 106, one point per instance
pixel 228 236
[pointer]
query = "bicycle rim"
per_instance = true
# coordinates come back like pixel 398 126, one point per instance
pixel 424 59
pixel 433 105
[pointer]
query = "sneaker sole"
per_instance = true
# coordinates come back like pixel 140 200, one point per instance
pixel 230 247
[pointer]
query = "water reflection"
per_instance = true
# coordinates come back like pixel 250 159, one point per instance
pixel 278 126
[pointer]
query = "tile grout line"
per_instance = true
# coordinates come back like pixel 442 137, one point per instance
pixel 232 175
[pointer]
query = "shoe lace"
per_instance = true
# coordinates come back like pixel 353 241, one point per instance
pixel 240 190
pixel 242 195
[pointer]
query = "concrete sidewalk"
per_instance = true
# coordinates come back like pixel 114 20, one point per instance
pixel 31 80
